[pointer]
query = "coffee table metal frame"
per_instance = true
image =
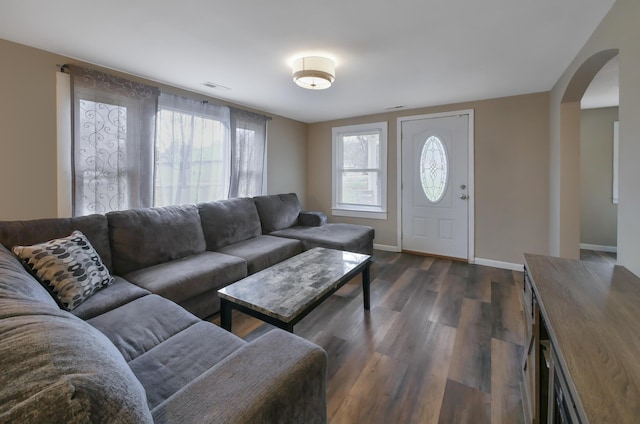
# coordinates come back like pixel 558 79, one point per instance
pixel 227 305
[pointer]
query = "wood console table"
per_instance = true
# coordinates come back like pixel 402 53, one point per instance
pixel 590 315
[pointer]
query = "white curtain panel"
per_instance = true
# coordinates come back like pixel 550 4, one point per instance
pixel 113 135
pixel 248 149
pixel 134 147
pixel 192 151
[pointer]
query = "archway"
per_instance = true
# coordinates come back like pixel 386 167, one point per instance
pixel 599 116
pixel 569 160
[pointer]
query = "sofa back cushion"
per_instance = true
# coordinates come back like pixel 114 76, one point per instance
pixel 145 237
pixel 68 266
pixel 229 221
pixel 278 211
pixel 26 233
pixel 56 368
pixel 17 283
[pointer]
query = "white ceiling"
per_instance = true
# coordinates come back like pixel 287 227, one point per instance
pixel 412 53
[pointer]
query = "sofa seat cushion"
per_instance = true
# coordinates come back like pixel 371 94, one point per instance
pixel 144 237
pixel 277 211
pixel 177 361
pixel 56 368
pixel 263 251
pixel 117 294
pixel 229 221
pixel 141 325
pixel 203 305
pixel 187 277
pixel 352 238
pixel 277 378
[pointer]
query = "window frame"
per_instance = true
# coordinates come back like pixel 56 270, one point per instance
pixel 337 168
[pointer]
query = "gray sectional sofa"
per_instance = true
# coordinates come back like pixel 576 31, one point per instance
pixel 137 350
pixel 186 253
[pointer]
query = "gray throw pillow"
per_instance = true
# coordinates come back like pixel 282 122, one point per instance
pixel 69 266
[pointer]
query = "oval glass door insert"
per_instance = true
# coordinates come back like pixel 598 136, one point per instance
pixel 434 169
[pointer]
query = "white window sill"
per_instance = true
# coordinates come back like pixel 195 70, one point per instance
pixel 357 213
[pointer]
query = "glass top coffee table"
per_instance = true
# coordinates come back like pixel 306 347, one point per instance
pixel 285 293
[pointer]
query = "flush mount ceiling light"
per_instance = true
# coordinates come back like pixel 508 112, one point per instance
pixel 314 72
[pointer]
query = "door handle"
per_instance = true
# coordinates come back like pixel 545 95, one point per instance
pixel 463 197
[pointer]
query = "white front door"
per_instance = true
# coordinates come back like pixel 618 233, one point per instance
pixel 435 195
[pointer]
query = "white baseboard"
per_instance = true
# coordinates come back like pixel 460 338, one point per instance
pixel 386 248
pixel 499 264
pixel 477 261
pixel 612 249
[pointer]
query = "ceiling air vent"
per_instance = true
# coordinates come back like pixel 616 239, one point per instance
pixel 214 85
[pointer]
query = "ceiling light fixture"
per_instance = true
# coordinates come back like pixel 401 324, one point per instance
pixel 314 72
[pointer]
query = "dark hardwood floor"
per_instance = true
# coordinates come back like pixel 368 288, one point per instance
pixel 598 256
pixel 442 343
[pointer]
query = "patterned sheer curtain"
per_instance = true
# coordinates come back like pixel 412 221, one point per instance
pixel 192 151
pixel 113 134
pixel 248 148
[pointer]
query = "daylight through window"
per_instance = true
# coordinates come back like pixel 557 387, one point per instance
pixel 359 170
pixel 192 152
pixel 433 169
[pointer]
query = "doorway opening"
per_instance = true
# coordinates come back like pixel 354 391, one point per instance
pixel 565 238
pixel 598 165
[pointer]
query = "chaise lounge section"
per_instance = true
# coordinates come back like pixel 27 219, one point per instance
pixel 282 216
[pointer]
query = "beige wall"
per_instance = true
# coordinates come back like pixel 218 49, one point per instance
pixel 287 158
pixel 511 174
pixel 619 30
pixel 599 215
pixel 570 179
pixel 27 132
pixel 28 135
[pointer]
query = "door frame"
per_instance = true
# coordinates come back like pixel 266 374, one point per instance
pixel 470 168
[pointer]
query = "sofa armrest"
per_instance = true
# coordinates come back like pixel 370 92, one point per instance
pixel 278 377
pixel 312 219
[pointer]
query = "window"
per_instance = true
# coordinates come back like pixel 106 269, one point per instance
pixel 248 154
pixel 360 171
pixel 135 147
pixel 433 169
pixel 192 151
pixel 112 148
pixel 207 152
pixel 103 139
